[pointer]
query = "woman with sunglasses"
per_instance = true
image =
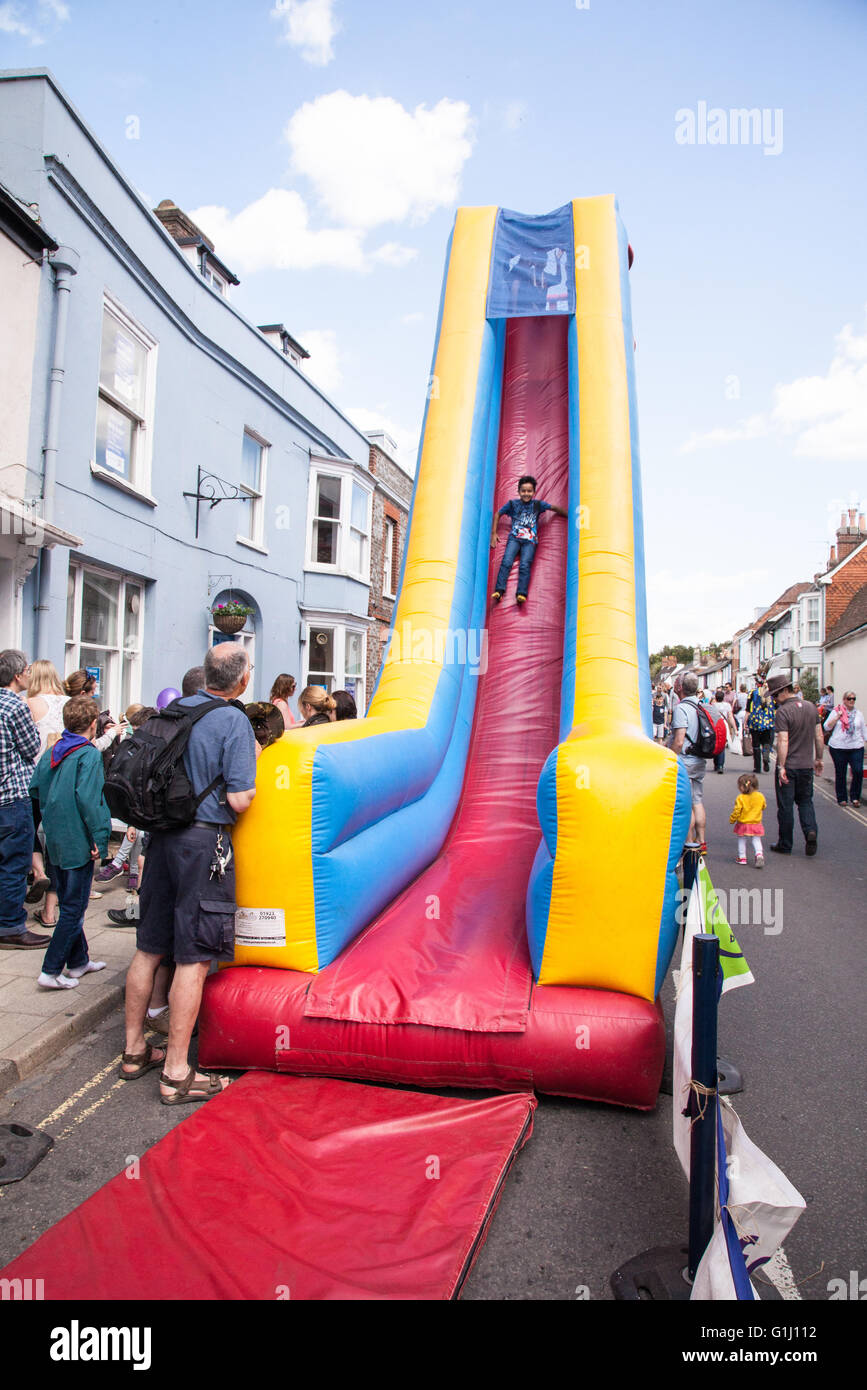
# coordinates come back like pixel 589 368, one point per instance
pixel 845 736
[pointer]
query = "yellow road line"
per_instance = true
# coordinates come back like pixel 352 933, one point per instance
pixel 853 815
pixel 90 1109
pixel 77 1095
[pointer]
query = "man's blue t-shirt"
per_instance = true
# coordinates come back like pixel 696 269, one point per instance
pixel 524 516
pixel 221 743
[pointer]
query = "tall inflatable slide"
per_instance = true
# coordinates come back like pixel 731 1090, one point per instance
pixel 474 885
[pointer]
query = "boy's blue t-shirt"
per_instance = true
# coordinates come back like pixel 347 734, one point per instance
pixel 524 517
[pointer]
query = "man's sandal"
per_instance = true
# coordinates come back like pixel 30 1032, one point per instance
pixel 142 1061
pixel 182 1088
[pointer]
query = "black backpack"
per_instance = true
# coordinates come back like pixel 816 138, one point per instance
pixel 147 784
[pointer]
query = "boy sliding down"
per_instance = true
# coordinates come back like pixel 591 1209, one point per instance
pixel 524 511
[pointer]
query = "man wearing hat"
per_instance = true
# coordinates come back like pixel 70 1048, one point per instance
pixel 800 747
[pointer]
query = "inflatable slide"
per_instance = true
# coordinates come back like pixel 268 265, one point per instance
pixel 474 885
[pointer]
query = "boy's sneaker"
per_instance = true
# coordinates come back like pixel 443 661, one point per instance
pixel 132 881
pixel 520 598
pixel 110 872
pixel 496 596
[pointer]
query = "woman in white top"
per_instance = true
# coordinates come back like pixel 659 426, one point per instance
pixel 45 697
pixel 845 725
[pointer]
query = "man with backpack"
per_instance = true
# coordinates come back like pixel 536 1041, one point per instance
pixel 695 737
pixel 187 907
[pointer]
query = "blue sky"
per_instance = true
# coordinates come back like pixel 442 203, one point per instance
pixel 325 144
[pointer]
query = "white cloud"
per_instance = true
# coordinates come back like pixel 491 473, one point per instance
pixel 323 365
pixel 310 26
pixel 826 415
pixel 392 253
pixel 755 427
pixel 32 20
pixel 274 233
pixel 415 317
pixel 406 440
pixel 371 161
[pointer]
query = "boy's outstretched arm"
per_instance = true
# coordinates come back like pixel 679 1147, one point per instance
pixel 494 526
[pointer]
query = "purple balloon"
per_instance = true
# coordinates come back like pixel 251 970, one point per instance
pixel 166 696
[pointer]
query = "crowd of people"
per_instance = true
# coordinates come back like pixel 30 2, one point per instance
pixel 773 716
pixel 56 749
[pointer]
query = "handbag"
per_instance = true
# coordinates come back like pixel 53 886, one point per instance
pixel 747 744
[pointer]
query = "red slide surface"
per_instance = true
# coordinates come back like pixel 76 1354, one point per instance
pixel 289 1188
pixel 451 950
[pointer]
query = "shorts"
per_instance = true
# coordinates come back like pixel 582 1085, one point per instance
pixel 695 770
pixel 184 913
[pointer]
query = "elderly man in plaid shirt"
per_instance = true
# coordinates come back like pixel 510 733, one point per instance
pixel 19 749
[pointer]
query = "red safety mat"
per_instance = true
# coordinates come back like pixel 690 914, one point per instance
pixel 451 951
pixel 294 1188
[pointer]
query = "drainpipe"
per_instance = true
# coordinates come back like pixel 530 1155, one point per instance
pixel 64 262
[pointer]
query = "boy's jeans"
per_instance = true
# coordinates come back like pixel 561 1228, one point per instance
pixel 69 944
pixel 526 549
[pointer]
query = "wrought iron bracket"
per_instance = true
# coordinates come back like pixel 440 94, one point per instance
pixel 213 489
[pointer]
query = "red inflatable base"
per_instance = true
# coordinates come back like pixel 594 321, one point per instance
pixel 287 1189
pixel 590 1044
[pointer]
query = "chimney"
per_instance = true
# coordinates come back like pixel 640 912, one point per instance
pixel 861 526
pixel 849 535
pixel 832 558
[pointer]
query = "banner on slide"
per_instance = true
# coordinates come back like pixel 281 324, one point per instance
pixel 533 265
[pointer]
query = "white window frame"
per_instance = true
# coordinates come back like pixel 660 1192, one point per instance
pixel 389 562
pixel 139 480
pixel 339 631
pixel 255 537
pixel 347 474
pixel 813 608
pixel 109 698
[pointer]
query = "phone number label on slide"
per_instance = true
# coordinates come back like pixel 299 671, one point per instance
pixel 260 926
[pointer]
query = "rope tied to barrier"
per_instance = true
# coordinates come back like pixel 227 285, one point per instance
pixel 696 1104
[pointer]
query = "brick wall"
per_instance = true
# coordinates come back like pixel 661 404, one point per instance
pixel 844 587
pixel 387 472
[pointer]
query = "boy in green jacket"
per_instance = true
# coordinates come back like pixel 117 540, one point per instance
pixel 68 783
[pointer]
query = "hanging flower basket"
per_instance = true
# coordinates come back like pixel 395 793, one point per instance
pixel 229 618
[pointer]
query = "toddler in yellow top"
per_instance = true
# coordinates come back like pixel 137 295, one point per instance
pixel 747 818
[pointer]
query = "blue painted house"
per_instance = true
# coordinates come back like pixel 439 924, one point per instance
pixel 168 452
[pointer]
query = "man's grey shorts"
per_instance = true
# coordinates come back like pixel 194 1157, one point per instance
pixel 186 914
pixel 695 770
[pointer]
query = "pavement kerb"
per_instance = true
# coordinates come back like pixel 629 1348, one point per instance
pixel 22 1055
pixel 27 1056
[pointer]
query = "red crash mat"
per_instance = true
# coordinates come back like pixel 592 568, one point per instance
pixel 298 1188
pixel 468 966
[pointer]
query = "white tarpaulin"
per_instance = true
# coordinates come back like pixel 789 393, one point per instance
pixel 761 1205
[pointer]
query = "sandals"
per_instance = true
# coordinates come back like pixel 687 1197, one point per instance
pixel 182 1088
pixel 37 889
pixel 47 926
pixel 142 1061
